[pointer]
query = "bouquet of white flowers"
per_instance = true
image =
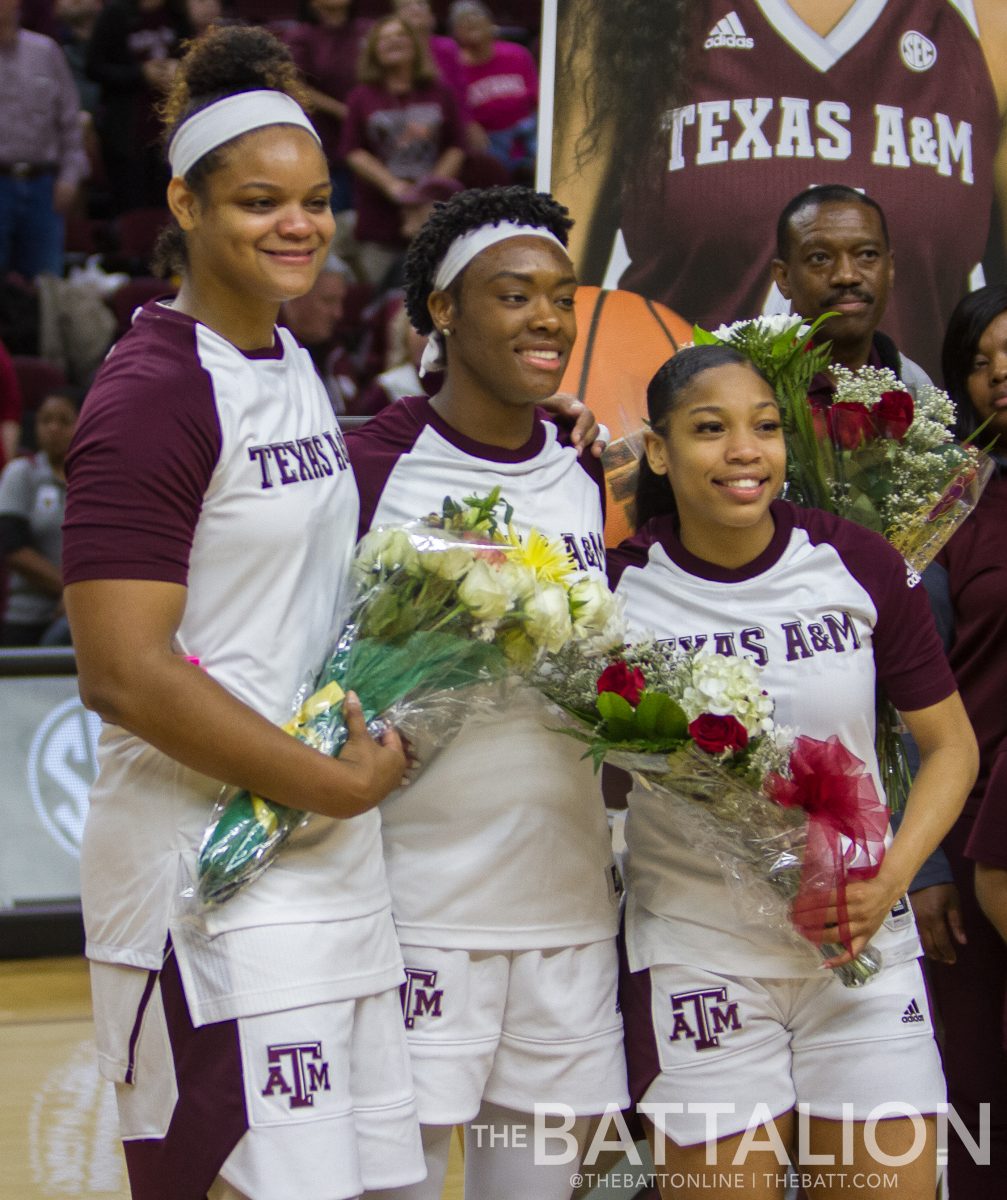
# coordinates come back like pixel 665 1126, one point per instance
pixel 443 605
pixel 790 820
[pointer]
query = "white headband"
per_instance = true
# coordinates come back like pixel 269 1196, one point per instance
pixel 230 118
pixel 459 254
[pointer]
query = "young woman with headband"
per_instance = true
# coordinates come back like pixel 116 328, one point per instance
pixel 845 1081
pixel 499 855
pixel 257 1050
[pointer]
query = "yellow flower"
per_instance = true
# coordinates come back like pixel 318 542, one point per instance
pixel 550 560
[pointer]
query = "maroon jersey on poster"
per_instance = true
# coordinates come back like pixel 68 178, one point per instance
pixel 897 101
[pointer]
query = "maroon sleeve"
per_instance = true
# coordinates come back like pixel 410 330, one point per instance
pixel 354 134
pixel 988 840
pixel 633 551
pixel 453 130
pixel 142 458
pixel 376 447
pixel 908 655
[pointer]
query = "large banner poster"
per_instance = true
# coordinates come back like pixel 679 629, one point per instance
pixel 677 130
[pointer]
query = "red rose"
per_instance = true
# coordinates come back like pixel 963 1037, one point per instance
pixel 716 734
pixel 626 681
pixel 850 424
pixel 893 414
pixel 820 419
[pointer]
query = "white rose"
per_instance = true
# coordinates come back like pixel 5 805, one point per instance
pixel 450 563
pixel 485 593
pixel 385 549
pixel 596 613
pixel 547 617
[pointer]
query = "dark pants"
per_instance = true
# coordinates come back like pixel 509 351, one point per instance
pixel 970 998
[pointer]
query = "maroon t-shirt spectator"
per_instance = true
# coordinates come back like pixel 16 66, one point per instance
pixel 408 133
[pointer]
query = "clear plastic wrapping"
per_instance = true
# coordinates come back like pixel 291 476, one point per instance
pixel 760 846
pixel 447 611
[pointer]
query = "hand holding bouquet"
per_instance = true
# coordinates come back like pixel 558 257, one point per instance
pixel 442 606
pixel 792 820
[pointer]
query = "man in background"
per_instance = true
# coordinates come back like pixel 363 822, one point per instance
pixel 42 158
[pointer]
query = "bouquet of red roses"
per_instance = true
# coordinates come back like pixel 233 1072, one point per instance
pixel 791 820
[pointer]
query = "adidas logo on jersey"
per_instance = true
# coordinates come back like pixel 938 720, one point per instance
pixel 913 1015
pixel 729 34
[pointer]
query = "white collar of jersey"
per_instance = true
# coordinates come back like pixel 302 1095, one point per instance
pixel 458 256
pixel 230 118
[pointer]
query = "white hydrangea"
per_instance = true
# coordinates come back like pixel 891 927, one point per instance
pixel 728 685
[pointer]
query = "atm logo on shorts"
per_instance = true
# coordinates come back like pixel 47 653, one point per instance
pixel 701 1017
pixel 297 1071
pixel 420 995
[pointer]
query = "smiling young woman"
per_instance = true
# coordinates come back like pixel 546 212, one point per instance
pixel 720 561
pixel 195 530
pixel 499 856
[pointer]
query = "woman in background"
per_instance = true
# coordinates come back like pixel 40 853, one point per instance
pixel 971 991
pixel 402 124
pixel 32 499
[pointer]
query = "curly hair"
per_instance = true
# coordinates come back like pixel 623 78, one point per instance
pixel 226 60
pixel 463 212
pixel 636 71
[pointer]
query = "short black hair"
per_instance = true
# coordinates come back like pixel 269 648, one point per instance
pixel 463 212
pixel 825 193
pixel 966 325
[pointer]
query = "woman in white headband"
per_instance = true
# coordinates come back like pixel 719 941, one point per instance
pixel 257 1050
pixel 499 856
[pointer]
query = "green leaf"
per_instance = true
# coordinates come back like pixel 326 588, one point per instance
pixel 658 716
pixel 702 337
pixel 617 714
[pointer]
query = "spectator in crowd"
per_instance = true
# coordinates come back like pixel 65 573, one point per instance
pixel 421 19
pixel 42 159
pixel 402 125
pixel 10 408
pixel 501 85
pixel 32 496
pixel 325 45
pixel 314 320
pixel 401 376
pixel 133 58
pixel 833 254
pixel 970 983
pixel 77 19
